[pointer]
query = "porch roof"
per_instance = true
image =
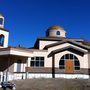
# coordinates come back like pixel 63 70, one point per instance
pixel 69 48
pixel 15 51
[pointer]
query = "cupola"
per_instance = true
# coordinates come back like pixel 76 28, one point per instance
pixel 56 31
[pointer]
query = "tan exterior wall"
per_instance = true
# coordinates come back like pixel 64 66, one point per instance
pixel 59 55
pixel 15 67
pixel 20 53
pixel 11 68
pixel 42 44
pixel 52 33
pixel 5 53
pixel 47 62
pixel 28 62
pixel 85 61
pixel 89 60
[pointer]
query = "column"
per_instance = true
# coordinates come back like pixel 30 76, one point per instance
pixel 7 71
pixel 28 64
pixel 53 66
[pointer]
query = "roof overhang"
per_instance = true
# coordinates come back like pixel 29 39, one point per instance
pixel 68 41
pixel 15 51
pixel 4 29
pixel 69 48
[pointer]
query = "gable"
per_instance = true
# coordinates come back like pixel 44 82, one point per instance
pixel 65 46
pixel 69 48
pixel 69 42
pixel 46 39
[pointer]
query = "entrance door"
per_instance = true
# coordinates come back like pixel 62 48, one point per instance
pixel 69 66
pixel 19 66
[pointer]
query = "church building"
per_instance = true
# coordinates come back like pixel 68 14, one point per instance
pixel 53 56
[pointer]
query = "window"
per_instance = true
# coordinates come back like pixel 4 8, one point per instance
pixel 62 64
pixel 19 65
pixel 69 57
pixel 76 65
pixel 1 40
pixel 1 20
pixel 58 33
pixel 47 33
pixel 37 62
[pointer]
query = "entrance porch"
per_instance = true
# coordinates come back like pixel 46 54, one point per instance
pixel 12 67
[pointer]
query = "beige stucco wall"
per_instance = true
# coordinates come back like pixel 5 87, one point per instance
pixel 85 58
pixel 17 52
pixel 82 59
pixel 47 61
pixel 52 33
pixel 89 60
pixel 28 61
pixel 4 52
pixel 42 44
pixel 21 53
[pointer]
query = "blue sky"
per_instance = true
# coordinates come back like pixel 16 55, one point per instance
pixel 28 19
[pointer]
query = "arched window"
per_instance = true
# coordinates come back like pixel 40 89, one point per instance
pixel 1 20
pixel 76 62
pixel 47 33
pixel 58 32
pixel 1 40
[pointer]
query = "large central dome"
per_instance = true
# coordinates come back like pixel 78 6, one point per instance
pixel 55 27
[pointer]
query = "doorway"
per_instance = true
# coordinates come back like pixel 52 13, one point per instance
pixel 69 66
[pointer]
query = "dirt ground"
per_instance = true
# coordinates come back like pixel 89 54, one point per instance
pixel 52 84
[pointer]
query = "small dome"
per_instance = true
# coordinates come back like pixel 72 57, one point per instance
pixel 55 28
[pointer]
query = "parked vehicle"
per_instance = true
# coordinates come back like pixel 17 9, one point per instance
pixel 8 85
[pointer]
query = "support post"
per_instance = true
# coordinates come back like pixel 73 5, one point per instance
pixel 26 70
pixel 7 71
pixel 53 66
pixel 3 77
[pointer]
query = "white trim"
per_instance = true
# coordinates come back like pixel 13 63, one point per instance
pixel 19 76
pixel 47 75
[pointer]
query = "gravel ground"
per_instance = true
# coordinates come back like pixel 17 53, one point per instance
pixel 52 84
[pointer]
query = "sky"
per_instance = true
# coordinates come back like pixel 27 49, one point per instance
pixel 27 20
